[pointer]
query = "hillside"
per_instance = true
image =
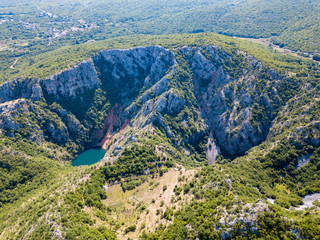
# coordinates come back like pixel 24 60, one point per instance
pixel 30 28
pixel 206 136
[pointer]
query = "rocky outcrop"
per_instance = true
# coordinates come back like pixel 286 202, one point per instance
pixel 18 88
pixel 298 122
pixel 67 84
pixel 34 122
pixel 247 219
pixel 303 160
pixel 56 132
pixel 127 71
pixel 8 111
pixel 231 107
pixel 309 134
pixel 73 82
pixel 212 150
pixel 72 123
pixel 158 89
pixel 169 102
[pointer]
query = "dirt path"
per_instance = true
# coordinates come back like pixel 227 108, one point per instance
pixel 12 66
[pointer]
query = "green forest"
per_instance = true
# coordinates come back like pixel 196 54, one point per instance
pixel 32 28
pixel 208 134
pixel 73 198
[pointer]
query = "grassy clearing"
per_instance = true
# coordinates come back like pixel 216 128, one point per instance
pixel 143 206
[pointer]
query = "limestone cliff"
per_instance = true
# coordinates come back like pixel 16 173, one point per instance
pixel 33 121
pixel 126 72
pixel 233 97
pixel 73 82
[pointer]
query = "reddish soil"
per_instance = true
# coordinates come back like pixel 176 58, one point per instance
pixel 112 121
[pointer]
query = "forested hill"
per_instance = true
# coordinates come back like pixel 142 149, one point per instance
pixel 48 63
pixel 201 132
pixel 206 136
pixel 32 27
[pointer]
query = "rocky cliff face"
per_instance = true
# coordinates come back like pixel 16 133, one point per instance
pixel 73 82
pixel 18 88
pixel 8 111
pixel 235 98
pixel 299 120
pixel 67 84
pixel 126 72
pixel 122 73
pixel 239 111
pixel 28 119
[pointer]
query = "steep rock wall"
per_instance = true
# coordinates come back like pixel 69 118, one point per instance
pixel 230 106
pixel 72 82
pixel 124 73
pixel 238 109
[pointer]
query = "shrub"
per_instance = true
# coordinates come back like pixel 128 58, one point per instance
pixel 165 188
pixel 131 228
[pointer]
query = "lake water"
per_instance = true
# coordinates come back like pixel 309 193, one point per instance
pixel 89 157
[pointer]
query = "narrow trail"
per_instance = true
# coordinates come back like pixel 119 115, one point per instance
pixel 12 66
pixel 83 191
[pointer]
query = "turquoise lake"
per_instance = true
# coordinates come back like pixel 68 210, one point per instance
pixel 89 157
